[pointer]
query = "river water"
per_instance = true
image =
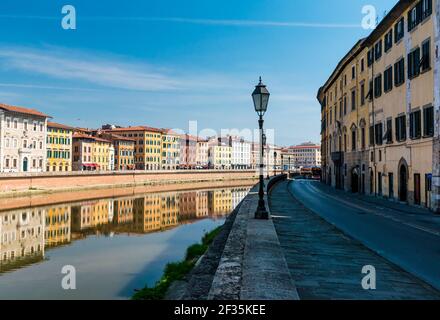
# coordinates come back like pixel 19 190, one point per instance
pixel 104 248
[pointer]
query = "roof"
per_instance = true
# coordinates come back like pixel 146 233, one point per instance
pixel 135 128
pixel 78 135
pixel 58 125
pixel 23 110
pixel 118 137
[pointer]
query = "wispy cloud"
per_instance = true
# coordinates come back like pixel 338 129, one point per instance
pixel 109 72
pixel 218 22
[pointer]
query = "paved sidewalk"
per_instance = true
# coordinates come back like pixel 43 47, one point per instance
pixel 327 264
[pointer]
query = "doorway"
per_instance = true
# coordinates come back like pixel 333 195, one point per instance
pixel 417 191
pixel 25 164
pixel 355 180
pixel 403 183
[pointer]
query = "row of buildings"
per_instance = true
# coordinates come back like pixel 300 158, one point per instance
pixel 29 142
pixel 25 234
pixel 380 110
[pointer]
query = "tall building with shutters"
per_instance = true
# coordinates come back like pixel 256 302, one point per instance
pixel 380 110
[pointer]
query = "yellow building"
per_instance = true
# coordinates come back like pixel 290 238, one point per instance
pixel 220 156
pixel 59 147
pixel 147 147
pixel 103 154
pixel 387 84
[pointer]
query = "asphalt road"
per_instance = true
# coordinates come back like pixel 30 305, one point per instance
pixel 408 237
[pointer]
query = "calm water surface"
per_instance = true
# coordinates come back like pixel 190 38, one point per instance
pixel 116 245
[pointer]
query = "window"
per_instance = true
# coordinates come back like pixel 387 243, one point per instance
pixel 362 65
pixel 401 128
pixel 340 109
pixel 353 72
pixel 371 133
pixel 388 79
pixel 389 133
pixel 378 50
pixel 414 63
pixel 362 94
pixel 353 100
pixel 426 8
pixel 370 57
pixel 345 105
pixel 370 91
pixel 415 129
pixel 8 123
pixel 388 40
pixel 363 137
pixel 378 86
pixel 378 132
pixel 428 122
pixel 415 16
pixel 353 140
pixel 399 72
pixel 426 55
pixel 25 125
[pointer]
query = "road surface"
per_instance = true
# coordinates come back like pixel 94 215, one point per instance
pixel 408 237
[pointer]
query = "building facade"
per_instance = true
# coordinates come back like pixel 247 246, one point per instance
pixel 202 153
pixel 241 153
pixel 147 143
pixel 188 151
pixel 306 155
pixel 59 147
pixel 220 156
pixel 22 139
pixel 385 140
pixel 170 150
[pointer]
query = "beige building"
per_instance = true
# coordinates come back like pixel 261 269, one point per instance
pixel 22 139
pixel 305 155
pixel 379 134
pixel 202 150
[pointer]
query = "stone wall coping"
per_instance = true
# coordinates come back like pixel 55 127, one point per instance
pixel 253 266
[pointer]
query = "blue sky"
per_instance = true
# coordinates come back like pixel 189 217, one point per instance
pixel 166 62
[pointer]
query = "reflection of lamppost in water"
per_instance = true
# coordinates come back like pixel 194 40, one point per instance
pixel 260 97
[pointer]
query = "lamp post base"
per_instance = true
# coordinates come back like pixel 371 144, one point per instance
pixel 261 213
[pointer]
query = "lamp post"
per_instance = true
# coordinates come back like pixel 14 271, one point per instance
pixel 260 97
pixel 275 166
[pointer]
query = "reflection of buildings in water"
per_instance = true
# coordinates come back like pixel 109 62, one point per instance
pixel 57 231
pixel 238 195
pixel 123 211
pixel 91 214
pixel 21 238
pixel 202 204
pixel 147 213
pixel 220 202
pixel 170 210
pixel 187 205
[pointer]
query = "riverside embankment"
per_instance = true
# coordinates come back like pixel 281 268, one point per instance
pixel 245 261
pixel 17 184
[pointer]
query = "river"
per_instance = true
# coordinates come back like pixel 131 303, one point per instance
pixel 110 246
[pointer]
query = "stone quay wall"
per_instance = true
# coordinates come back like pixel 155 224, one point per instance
pixel 31 183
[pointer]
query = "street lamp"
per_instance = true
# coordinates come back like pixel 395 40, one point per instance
pixel 275 167
pixel 260 97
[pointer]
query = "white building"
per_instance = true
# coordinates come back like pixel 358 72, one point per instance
pixel 241 153
pixel 22 139
pixel 306 155
pixel 111 158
